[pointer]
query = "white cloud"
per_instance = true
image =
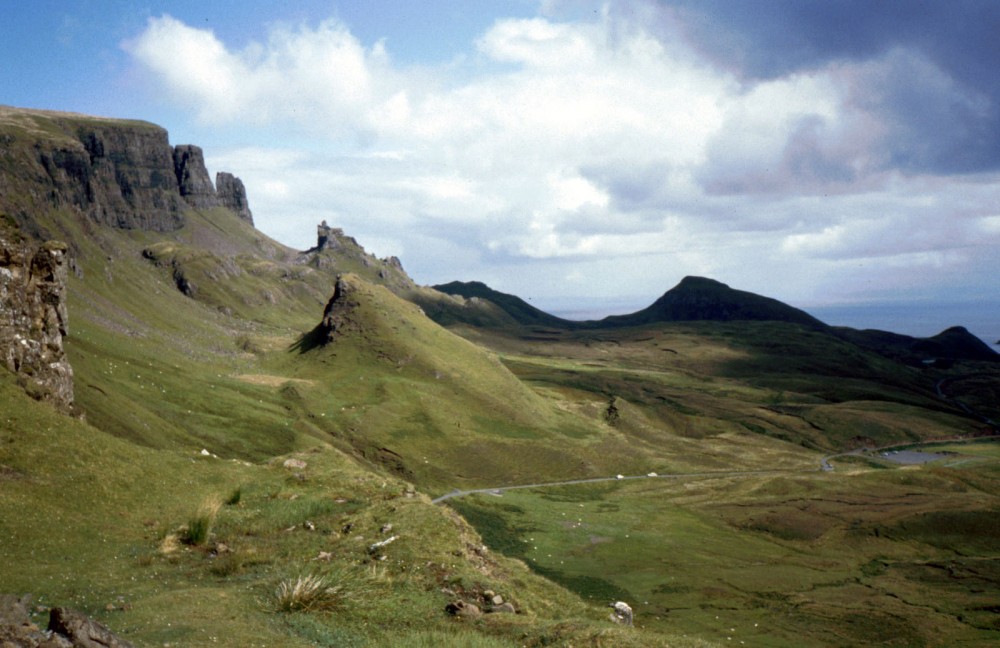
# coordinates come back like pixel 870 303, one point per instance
pixel 589 145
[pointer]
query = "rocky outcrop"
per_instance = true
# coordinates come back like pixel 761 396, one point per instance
pixel 233 195
pixel 192 177
pixel 123 177
pixel 83 632
pixel 120 173
pixel 337 316
pixel 67 628
pixel 33 319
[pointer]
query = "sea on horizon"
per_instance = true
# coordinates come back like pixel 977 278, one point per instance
pixel 916 319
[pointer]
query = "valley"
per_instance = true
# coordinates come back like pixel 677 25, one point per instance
pixel 246 419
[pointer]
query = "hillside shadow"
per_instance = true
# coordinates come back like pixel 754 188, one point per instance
pixel 310 340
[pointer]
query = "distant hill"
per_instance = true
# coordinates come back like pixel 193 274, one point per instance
pixel 694 298
pixel 519 310
pixel 698 298
pixel 955 343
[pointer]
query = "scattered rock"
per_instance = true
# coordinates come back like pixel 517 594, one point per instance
pixel 503 608
pixel 374 548
pixel 496 600
pixel 294 464
pixel 386 528
pixel 463 610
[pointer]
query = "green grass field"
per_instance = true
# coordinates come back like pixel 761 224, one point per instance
pixel 165 508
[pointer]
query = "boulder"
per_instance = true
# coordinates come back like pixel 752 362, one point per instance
pixel 82 631
pixel 463 610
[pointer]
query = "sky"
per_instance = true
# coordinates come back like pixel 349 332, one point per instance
pixel 583 155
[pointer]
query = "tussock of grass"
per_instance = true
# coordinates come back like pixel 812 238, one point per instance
pixel 199 527
pixel 308 593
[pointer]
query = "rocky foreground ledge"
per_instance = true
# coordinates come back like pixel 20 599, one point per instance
pixel 67 628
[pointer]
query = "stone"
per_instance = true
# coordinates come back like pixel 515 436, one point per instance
pixel 82 631
pixel 34 319
pixel 502 608
pixel 463 610
pixel 294 464
pixel 496 600
pixel 622 613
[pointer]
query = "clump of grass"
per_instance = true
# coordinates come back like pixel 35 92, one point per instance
pixel 199 527
pixel 235 497
pixel 308 593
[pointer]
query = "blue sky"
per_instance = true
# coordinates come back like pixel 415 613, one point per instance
pixel 576 153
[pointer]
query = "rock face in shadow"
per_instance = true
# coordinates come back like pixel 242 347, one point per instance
pixel 33 319
pixel 192 177
pixel 120 174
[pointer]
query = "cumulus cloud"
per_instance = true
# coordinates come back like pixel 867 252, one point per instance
pixel 619 142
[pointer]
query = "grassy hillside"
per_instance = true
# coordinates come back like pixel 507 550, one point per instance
pixel 233 447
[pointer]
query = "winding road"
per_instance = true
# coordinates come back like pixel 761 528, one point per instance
pixel 499 490
pixel 824 465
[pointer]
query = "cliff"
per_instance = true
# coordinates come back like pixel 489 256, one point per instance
pixel 61 168
pixel 233 195
pixel 119 173
pixel 33 317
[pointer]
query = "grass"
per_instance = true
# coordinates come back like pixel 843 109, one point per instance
pixel 772 561
pixel 199 526
pixel 308 593
pixel 398 409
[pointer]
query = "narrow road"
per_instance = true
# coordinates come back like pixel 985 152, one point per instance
pixel 824 466
pixel 499 490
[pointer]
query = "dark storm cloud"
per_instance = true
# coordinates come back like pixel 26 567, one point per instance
pixel 947 123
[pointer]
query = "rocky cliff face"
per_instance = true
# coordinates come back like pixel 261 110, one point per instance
pixel 233 195
pixel 120 173
pixel 192 177
pixel 33 318
pixel 105 172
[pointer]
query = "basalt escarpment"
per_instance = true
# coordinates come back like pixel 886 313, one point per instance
pixel 33 318
pixel 62 176
pixel 119 173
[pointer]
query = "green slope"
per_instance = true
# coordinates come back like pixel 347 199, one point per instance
pixel 213 337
